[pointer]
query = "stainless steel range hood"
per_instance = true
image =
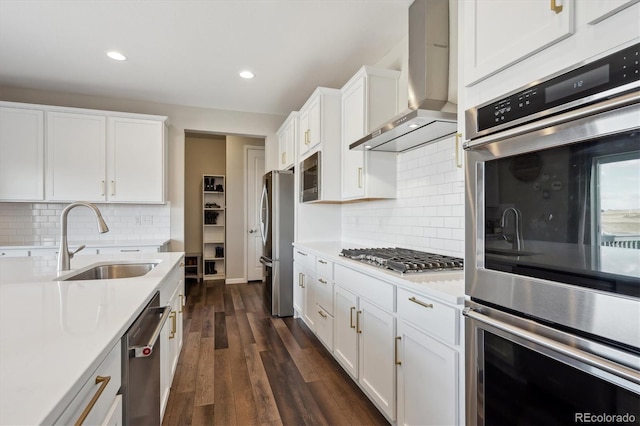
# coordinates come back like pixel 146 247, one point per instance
pixel 424 121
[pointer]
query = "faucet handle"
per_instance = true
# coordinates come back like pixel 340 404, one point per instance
pixel 77 250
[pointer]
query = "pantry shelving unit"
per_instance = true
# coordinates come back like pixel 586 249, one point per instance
pixel 193 266
pixel 213 226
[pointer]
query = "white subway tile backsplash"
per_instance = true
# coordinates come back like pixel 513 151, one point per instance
pixel 428 213
pixel 39 223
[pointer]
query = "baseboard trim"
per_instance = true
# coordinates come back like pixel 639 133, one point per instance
pixel 235 281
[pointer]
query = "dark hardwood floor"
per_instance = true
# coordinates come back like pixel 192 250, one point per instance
pixel 240 366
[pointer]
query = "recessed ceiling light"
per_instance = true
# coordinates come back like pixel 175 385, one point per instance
pixel 116 56
pixel 367 146
pixel 413 126
pixel 246 74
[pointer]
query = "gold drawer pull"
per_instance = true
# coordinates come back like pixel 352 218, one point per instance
pixel 421 303
pixel 322 281
pixel 324 262
pixel 397 340
pixel 353 308
pixel 103 381
pixel 557 8
pixel 173 324
pixel 358 330
pixel 322 314
pixel 458 153
pixel 182 299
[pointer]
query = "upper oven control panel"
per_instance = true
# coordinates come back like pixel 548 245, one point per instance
pixel 581 85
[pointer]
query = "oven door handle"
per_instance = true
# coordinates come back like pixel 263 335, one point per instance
pixel 571 352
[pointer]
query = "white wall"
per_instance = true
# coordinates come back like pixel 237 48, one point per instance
pixel 181 118
pixel 39 223
pixel 428 213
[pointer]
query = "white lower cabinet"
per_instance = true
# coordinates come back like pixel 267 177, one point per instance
pixel 105 384
pixel 427 379
pixel 401 347
pixel 364 345
pixel 171 294
pixel 304 299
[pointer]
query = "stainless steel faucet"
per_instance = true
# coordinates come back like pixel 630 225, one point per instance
pixel 517 215
pixel 64 257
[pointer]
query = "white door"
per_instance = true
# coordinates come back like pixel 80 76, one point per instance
pixel 254 172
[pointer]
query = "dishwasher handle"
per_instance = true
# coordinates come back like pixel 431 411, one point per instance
pixel 140 351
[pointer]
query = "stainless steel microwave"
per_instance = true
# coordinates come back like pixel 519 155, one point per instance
pixel 310 178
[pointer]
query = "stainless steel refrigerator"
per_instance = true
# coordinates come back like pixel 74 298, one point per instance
pixel 276 229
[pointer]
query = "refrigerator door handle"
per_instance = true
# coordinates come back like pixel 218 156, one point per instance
pixel 264 214
pixel 266 262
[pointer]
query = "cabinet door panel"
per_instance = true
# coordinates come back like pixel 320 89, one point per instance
pixel 345 339
pixel 136 160
pixel 298 289
pixel 309 298
pixel 21 154
pixel 377 356
pixel 353 128
pixel 427 380
pixel 499 33
pixel 75 157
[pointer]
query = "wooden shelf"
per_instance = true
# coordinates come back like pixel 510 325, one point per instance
pixel 213 234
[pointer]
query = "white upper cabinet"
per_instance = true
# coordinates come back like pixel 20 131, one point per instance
pixel 287 137
pixel 319 121
pixel 135 159
pixel 500 33
pixel 96 156
pixel 76 161
pixel 369 100
pixel 21 154
pixel 593 11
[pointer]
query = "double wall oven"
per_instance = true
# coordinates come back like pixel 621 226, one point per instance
pixel 552 265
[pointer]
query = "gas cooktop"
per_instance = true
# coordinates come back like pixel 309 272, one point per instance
pixel 404 260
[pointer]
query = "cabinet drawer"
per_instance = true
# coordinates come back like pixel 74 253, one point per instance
pixel 118 250
pixel 324 293
pixel 432 317
pixel 324 327
pixel 324 268
pixel 373 289
pixel 101 411
pixel 305 259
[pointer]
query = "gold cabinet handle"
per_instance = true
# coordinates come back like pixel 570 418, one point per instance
pixel 398 362
pixel 421 303
pixel 322 281
pixel 103 381
pixel 322 314
pixel 359 177
pixel 283 157
pixel 181 265
pixel 182 299
pixel 458 154
pixel 307 137
pixel 358 330
pixel 557 8
pixel 299 279
pixel 174 324
pixel 324 262
pixel 353 308
pixel 301 253
pixel 303 279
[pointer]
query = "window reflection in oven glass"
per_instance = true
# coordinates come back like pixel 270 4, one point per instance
pixel 524 387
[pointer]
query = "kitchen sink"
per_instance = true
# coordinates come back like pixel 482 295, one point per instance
pixel 113 271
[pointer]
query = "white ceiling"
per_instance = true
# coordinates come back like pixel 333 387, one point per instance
pixel 189 52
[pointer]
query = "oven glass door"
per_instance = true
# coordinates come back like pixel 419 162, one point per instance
pixel 567 214
pixel 541 381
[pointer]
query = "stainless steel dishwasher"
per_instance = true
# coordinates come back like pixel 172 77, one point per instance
pixel 141 366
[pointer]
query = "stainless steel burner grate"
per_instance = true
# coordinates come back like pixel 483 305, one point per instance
pixel 404 260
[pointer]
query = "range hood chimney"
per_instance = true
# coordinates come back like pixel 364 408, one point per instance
pixel 424 121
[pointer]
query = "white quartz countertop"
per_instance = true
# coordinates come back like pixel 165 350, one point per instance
pixel 447 286
pixel 53 334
